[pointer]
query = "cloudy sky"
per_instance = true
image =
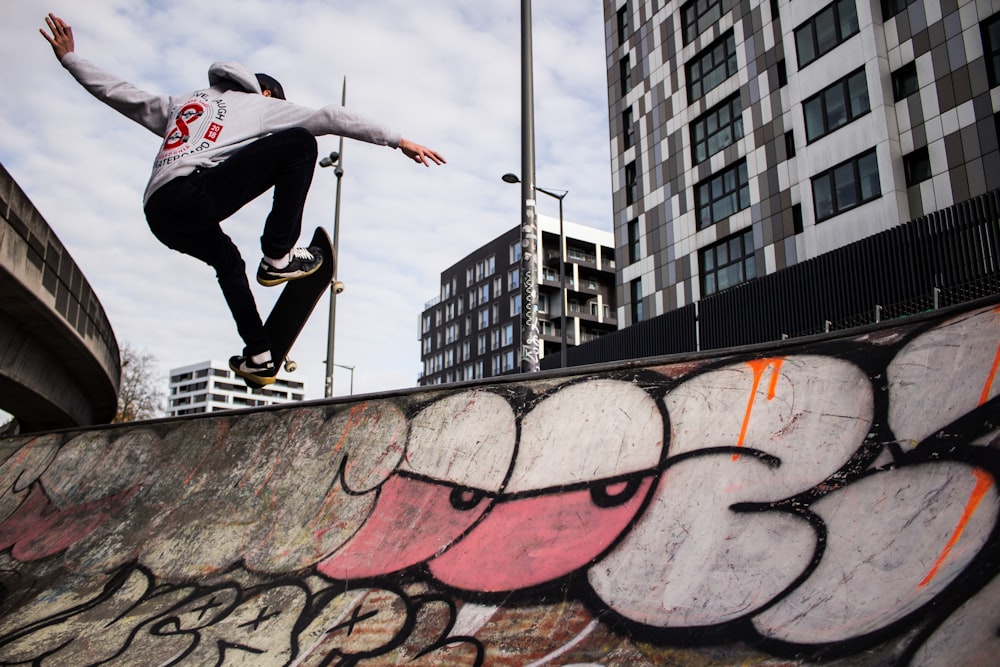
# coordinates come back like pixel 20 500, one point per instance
pixel 445 73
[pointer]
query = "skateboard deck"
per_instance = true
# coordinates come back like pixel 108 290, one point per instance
pixel 295 304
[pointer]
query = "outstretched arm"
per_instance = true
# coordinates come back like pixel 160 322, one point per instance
pixel 420 154
pixel 62 35
pixel 149 110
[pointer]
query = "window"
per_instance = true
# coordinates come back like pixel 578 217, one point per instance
pixel 991 48
pixel 782 73
pixel 727 263
pixel 789 145
pixel 633 240
pixel 717 128
pixel 625 73
pixel 631 184
pixel 846 185
pixel 515 304
pixel 826 30
pixel 797 218
pixel 484 318
pixel 628 128
pixel 508 361
pixel 837 105
pixel 514 278
pixel 508 335
pixel 711 67
pixel 917 166
pixel 904 81
pixel 892 7
pixel 622 24
pixel 497 287
pixel 699 15
pixel 722 194
pixel 515 252
pixel 635 289
pixel 481 344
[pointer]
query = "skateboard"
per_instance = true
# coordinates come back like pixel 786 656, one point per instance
pixel 296 302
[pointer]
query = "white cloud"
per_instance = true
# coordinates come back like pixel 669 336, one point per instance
pixel 446 74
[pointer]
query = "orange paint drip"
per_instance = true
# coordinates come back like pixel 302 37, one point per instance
pixel 985 396
pixel 758 366
pixel 983 484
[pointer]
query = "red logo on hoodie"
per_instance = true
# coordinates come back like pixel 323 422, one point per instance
pixel 181 132
pixel 214 130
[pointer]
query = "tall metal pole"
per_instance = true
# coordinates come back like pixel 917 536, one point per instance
pixel 530 339
pixel 332 328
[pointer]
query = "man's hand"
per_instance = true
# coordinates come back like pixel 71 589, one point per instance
pixel 420 154
pixel 62 35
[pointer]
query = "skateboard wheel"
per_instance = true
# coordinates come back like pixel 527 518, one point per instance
pixel 290 365
pixel 338 287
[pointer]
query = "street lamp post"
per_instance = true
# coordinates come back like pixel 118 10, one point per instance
pixel 512 178
pixel 530 340
pixel 350 368
pixel 335 160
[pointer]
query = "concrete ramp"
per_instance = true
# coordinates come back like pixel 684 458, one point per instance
pixel 827 501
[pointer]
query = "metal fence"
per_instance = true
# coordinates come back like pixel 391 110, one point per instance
pixel 945 258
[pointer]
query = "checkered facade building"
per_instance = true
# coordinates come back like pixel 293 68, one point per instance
pixel 748 136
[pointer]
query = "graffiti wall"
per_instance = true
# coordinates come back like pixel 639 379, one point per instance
pixel 830 502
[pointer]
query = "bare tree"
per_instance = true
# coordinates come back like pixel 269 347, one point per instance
pixel 139 394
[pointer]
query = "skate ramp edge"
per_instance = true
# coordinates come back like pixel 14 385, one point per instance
pixel 833 500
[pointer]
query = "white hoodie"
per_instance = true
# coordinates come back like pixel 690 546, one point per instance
pixel 203 128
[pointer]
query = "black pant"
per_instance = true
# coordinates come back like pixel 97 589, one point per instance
pixel 185 214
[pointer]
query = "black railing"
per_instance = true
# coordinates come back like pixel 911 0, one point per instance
pixel 941 259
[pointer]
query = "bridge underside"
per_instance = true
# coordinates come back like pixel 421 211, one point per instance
pixel 829 499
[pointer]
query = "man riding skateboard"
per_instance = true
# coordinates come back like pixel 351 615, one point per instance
pixel 223 146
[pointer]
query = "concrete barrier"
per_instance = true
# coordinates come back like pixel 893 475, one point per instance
pixel 833 499
pixel 59 359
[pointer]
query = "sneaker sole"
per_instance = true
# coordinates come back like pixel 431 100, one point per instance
pixel 271 282
pixel 256 379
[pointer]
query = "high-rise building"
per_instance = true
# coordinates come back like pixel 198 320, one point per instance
pixel 210 386
pixel 472 329
pixel 747 137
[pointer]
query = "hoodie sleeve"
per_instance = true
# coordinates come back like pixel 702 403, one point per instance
pixel 333 119
pixel 150 111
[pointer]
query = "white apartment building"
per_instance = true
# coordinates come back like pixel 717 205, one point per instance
pixel 209 386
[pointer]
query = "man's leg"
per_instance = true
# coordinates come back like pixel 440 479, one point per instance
pixel 285 161
pixel 185 215
pixel 180 216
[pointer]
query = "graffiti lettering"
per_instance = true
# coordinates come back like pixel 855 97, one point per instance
pixel 810 503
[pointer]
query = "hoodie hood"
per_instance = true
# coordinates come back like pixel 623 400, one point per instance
pixel 234 74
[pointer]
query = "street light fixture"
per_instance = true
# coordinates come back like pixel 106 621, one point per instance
pixel 350 368
pixel 512 178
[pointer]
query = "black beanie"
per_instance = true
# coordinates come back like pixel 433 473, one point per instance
pixel 270 83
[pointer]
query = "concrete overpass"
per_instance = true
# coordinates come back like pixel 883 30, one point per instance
pixel 59 360
pixel 826 500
